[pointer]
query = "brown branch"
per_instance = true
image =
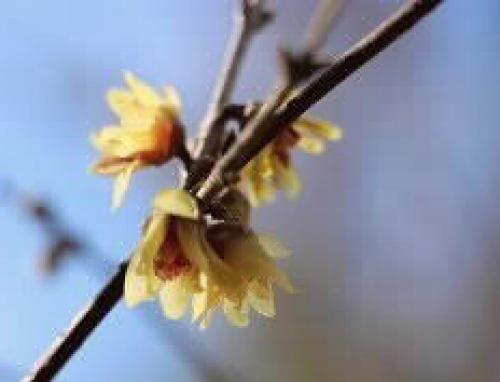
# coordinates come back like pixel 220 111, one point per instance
pixel 321 24
pixel 258 136
pixel 69 341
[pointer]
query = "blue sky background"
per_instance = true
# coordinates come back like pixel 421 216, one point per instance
pixel 395 237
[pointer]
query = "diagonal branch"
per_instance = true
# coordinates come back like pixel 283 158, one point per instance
pixel 69 341
pixel 258 136
pixel 242 151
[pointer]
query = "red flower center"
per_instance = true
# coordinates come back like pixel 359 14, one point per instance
pixel 170 261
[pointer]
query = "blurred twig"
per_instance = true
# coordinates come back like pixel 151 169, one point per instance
pixel 258 135
pixel 244 149
pixel 251 18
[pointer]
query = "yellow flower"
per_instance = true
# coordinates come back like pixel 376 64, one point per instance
pixel 182 258
pixel 272 169
pixel 148 133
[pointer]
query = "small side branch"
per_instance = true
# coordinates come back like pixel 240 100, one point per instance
pixel 255 139
pixel 69 341
pixel 251 18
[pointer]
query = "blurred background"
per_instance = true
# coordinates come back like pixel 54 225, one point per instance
pixel 395 238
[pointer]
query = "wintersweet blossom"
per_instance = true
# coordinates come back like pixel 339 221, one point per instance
pixel 148 132
pixel 182 258
pixel 272 169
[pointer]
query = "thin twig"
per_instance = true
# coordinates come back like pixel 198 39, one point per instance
pixel 251 18
pixel 69 341
pixel 321 24
pixel 255 139
pixel 242 151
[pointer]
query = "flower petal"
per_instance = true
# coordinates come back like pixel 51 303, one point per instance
pixel 178 203
pixel 189 235
pixel 238 316
pixel 311 145
pixel 144 93
pixel 273 247
pixel 174 298
pixel 122 182
pixel 261 298
pixel 319 128
pixel 136 287
pixel 287 179
pixel 248 258
pixel 173 100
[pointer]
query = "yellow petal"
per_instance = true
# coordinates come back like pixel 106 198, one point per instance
pixel 173 100
pixel 144 93
pixel 261 298
pixel 121 183
pixel 261 180
pixel 287 179
pixel 204 303
pixel 189 234
pixel 137 287
pixel 153 237
pixel 311 145
pixel 238 316
pixel 246 256
pixel 320 128
pixel 229 282
pixel 121 101
pixel 174 298
pixel 273 247
pixel 121 141
pixel 178 203
pixel 200 305
pixel 125 105
pixel 106 166
pixel 205 322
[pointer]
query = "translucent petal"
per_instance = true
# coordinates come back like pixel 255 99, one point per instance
pixel 204 303
pixel 173 100
pixel 273 247
pixel 238 316
pixel 122 182
pixel 178 203
pixel 261 298
pixel 200 305
pixel 174 298
pixel 126 106
pixel 144 93
pixel 123 142
pixel 311 145
pixel 247 257
pixel 141 282
pixel 261 180
pixel 121 101
pixel 229 282
pixel 137 287
pixel 205 322
pixel 287 179
pixel 153 237
pixel 320 128
pixel 189 235
pixel 108 166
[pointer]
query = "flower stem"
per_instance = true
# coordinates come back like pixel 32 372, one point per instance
pixel 256 138
pixel 70 340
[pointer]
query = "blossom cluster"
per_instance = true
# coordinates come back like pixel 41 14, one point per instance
pixel 186 256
